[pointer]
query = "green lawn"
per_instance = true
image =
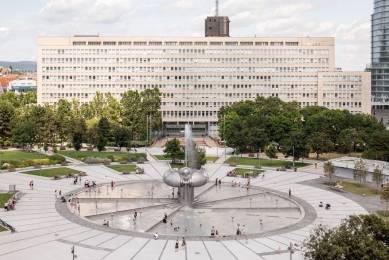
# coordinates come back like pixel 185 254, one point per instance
pixel 264 162
pixel 96 154
pixel 3 229
pixel 241 171
pixel 211 158
pixel 52 172
pixel 121 168
pixel 161 157
pixel 19 155
pixel 356 189
pixel 3 199
pixel 177 165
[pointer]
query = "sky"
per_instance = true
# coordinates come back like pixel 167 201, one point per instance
pixel 346 20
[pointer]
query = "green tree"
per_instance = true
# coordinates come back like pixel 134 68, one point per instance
pixel 104 128
pixel 320 143
pixel 121 136
pixel 63 119
pixel 101 143
pixel 25 132
pixel 271 151
pixel 300 144
pixel 385 197
pixel 360 171
pixel 329 170
pixel 174 150
pixel 112 110
pixel 378 176
pixel 77 141
pixel 362 237
pixel 45 147
pixel 347 139
pixel 7 115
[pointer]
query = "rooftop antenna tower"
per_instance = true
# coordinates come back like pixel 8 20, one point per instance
pixel 217 8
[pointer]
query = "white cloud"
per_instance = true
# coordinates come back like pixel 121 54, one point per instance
pixel 182 5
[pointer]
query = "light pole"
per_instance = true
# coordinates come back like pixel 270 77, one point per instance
pixel 259 159
pixel 40 161
pixel 145 146
pixel 291 251
pixel 293 156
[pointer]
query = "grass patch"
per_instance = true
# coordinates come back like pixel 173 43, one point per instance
pixel 161 157
pixel 3 228
pixel 52 172
pixel 241 171
pixel 121 168
pixel 264 162
pixel 211 158
pixel 114 156
pixel 19 155
pixel 356 189
pixel 382 215
pixel 177 165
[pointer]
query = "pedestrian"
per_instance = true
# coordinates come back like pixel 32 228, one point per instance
pixel 173 192
pixel 31 185
pixel 60 193
pixel 220 182
pixel 247 240
pixel 152 189
pixel 290 193
pixel 217 236
pixel 55 194
pixel 171 223
pixel 6 206
pixel 243 228
pixel 216 181
pixel 315 165
pixel 263 176
pixel 212 232
pixel 78 207
pixel 156 236
pixel 135 215
pixel 183 244
pixel 176 246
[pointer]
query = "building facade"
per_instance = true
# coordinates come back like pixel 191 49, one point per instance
pixel 379 66
pixel 197 76
pixel 217 26
pixel 22 85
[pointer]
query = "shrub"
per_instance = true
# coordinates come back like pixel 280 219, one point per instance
pixel 111 157
pixel 58 158
pixel 91 160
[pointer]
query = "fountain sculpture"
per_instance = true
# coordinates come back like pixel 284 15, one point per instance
pixel 187 178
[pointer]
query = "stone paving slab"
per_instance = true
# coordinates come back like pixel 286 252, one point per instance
pixel 196 250
pixel 239 250
pixel 84 236
pixel 99 239
pixel 218 251
pixel 54 250
pixel 152 250
pixel 127 250
pixel 170 254
pixel 115 242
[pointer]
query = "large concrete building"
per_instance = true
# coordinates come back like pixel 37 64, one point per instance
pixel 197 76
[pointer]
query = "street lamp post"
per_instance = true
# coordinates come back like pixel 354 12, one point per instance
pixel 40 161
pixel 293 156
pixel 145 146
pixel 259 159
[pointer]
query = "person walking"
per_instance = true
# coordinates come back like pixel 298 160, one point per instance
pixel 183 243
pixel 152 189
pixel 216 181
pixel 290 193
pixel 60 193
pixel 176 246
pixel 171 223
pixel 217 236
pixel 78 207
pixel 315 165
pixel 212 232
pixel 31 185
pixel 173 192
pixel 55 194
pixel 135 215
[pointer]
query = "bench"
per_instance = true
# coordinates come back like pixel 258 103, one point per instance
pixel 233 164
pixel 123 162
pixel 141 161
pixel 64 163
pixel 82 174
pixel 126 172
pixel 251 155
pixel 57 177
pixel 107 162
pixel 62 148
pixel 257 167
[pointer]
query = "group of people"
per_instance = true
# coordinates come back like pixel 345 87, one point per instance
pixel 218 181
pixel 10 204
pixel 215 234
pixel 183 244
pixel 140 170
pixel 321 205
pixel 106 223
pixel 76 180
pixel 89 184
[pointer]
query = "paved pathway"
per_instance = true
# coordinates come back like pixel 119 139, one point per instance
pixel 43 233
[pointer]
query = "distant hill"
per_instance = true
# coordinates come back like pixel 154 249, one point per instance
pixel 19 65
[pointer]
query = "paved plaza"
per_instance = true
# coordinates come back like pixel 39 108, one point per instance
pixel 47 228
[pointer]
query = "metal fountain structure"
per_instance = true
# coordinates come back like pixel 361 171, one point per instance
pixel 187 178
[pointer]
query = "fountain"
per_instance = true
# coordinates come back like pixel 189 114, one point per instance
pixel 187 178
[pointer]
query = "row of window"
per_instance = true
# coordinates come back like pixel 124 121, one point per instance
pixel 342 95
pixel 160 43
pixel 343 78
pixel 183 60
pixel 342 87
pixel 178 78
pixel 182 69
pixel 183 87
pixel 185 51
pixel 342 104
